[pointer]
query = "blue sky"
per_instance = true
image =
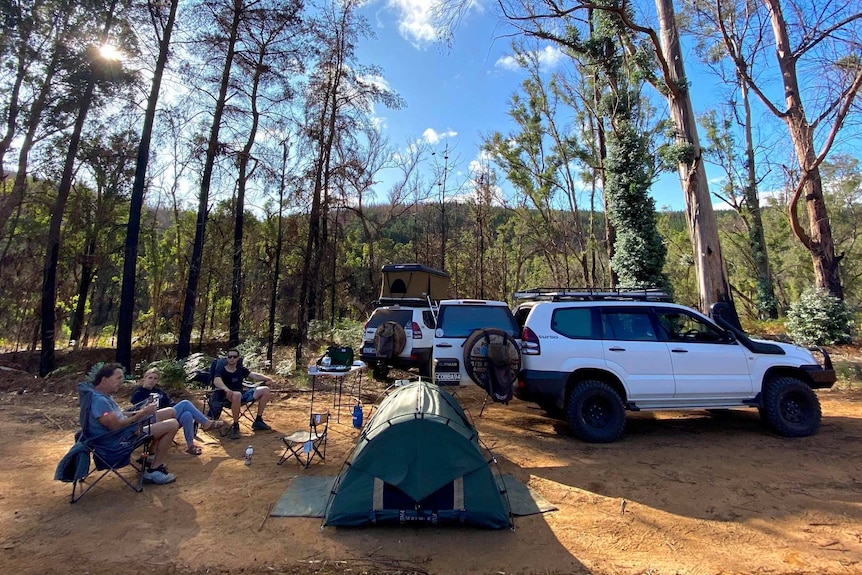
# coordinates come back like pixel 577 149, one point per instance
pixel 458 93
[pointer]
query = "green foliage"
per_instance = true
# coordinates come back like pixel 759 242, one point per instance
pixel 345 332
pixel 819 318
pixel 672 155
pixel 253 355
pixel 172 374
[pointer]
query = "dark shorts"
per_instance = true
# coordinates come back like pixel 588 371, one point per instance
pixel 248 395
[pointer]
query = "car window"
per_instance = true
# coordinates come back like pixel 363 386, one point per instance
pixel 679 326
pixel 628 325
pixel 428 319
pixel 574 323
pixel 521 314
pixel 400 316
pixel 462 320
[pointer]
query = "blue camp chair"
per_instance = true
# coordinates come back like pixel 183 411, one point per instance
pixel 110 452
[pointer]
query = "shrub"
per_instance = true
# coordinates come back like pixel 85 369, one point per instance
pixel 818 318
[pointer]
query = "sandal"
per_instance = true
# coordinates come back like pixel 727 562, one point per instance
pixel 194 450
pixel 214 425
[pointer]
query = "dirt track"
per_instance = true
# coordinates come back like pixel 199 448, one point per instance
pixel 686 493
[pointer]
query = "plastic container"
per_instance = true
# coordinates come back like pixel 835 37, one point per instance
pixel 248 454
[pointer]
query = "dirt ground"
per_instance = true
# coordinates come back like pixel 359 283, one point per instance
pixel 681 493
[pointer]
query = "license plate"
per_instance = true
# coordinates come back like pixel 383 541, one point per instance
pixel 447 376
pixel 369 351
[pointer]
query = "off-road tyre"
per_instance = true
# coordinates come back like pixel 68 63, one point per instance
pixel 489 347
pixel 790 407
pixel 595 412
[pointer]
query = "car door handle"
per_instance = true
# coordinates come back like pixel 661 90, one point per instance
pixel 616 349
pixel 443 345
pixel 679 350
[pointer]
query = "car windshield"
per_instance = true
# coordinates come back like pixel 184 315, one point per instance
pixel 462 320
pixel 400 316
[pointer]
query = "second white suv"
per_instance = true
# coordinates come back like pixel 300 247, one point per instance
pixel 594 356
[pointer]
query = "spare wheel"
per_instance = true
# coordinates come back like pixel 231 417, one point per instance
pixel 492 359
pixel 389 339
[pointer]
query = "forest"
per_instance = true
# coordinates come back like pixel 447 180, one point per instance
pixel 183 171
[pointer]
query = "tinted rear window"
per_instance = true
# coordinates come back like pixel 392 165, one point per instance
pixel 399 316
pixel 574 323
pixel 462 320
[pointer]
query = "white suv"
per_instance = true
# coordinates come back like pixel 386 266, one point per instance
pixel 592 356
pixel 477 340
pixel 398 336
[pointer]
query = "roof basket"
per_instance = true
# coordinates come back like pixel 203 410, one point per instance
pixel 592 294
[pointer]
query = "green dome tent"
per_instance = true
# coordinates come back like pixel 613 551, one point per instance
pixel 418 460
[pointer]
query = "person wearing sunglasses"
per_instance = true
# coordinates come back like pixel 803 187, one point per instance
pixel 229 380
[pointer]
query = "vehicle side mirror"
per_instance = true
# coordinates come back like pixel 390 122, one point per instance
pixel 729 337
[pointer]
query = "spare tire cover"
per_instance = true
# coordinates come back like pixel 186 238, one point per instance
pixel 389 339
pixel 492 359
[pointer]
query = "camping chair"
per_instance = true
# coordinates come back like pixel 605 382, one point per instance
pixel 306 443
pixel 215 401
pixel 111 452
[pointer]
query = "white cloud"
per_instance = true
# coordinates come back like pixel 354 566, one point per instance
pixel 548 57
pixel 432 136
pixel 418 20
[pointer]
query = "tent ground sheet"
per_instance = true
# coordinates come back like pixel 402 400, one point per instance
pixel 306 497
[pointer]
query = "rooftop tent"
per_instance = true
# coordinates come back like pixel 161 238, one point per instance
pixel 418 460
pixel 413 281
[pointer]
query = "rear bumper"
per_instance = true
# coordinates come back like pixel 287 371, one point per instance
pixel 541 386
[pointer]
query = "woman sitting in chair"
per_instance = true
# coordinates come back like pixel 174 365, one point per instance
pixel 106 416
pixel 187 414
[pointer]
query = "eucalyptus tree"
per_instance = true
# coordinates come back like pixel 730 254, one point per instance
pixel 813 54
pixel 44 34
pixel 107 74
pixel 406 191
pixel 218 39
pixel 542 19
pixel 107 157
pixel 542 161
pixel 338 99
pixel 271 53
pixel 162 17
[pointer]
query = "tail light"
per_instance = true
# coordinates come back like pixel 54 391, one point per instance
pixel 417 333
pixel 530 342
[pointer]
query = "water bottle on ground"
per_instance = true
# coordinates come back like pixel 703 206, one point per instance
pixel 248 453
pixel 357 416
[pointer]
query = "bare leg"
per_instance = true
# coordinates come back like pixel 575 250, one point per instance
pixel 163 433
pixel 262 395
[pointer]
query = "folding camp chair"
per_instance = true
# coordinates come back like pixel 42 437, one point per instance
pixel 305 444
pixel 215 401
pixel 110 452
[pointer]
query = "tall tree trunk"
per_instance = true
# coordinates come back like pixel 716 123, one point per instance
pixel 818 241
pixel 87 273
pixel 239 218
pixel 188 317
pixel 276 274
pixel 126 319
pixel 766 303
pixel 52 254
pixel 713 284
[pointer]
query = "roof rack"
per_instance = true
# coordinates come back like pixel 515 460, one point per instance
pixel 592 294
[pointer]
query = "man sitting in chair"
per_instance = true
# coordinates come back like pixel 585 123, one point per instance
pixel 229 380
pixel 107 416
